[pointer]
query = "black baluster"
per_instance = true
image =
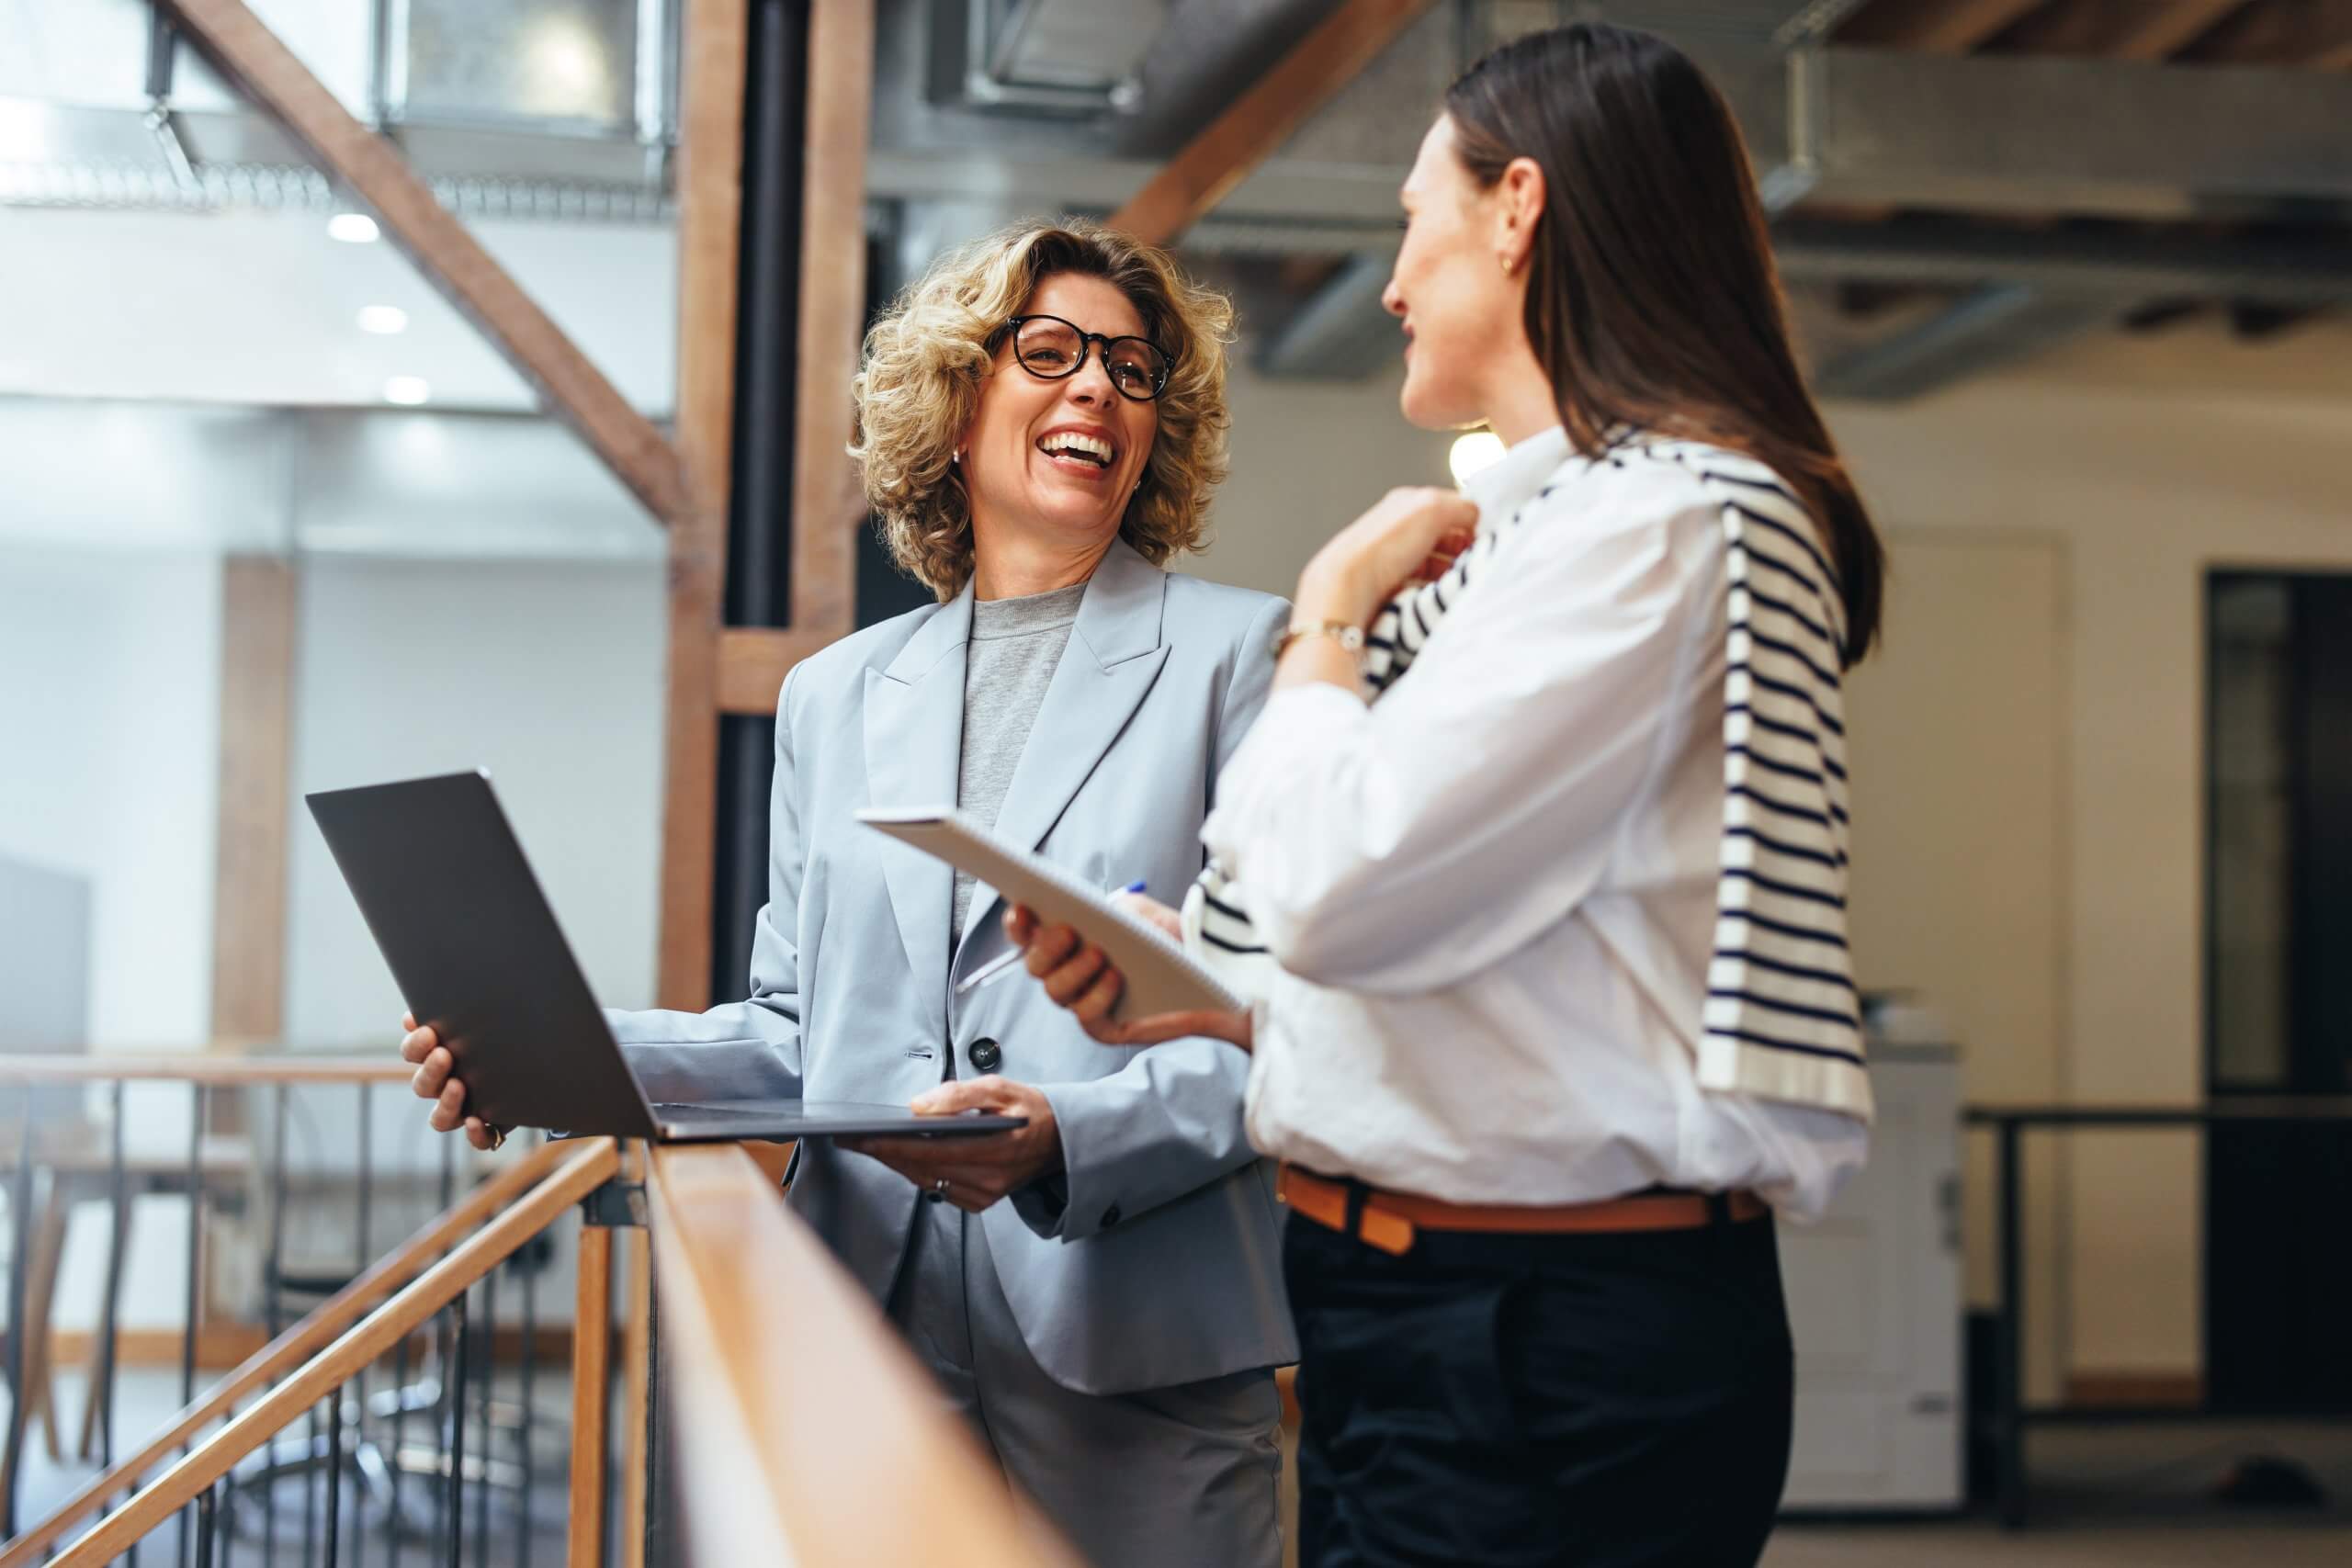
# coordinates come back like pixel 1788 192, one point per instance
pixel 118 1188
pixel 399 1441
pixel 272 1307
pixel 652 1406
pixel 359 1384
pixel 335 1472
pixel 20 1220
pixel 486 1338
pixel 530 1351
pixel 457 1440
pixel 194 1261
pixel 448 1383
pixel 206 1522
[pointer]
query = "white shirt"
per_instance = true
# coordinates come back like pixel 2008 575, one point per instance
pixel 1492 893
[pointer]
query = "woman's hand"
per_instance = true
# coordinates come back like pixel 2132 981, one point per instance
pixel 1409 535
pixel 982 1167
pixel 1077 975
pixel 435 1082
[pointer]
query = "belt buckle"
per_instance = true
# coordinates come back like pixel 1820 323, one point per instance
pixel 1392 1234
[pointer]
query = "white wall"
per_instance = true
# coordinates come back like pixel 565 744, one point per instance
pixel 2144 491
pixel 1308 457
pixel 441 624
pixel 548 675
pixel 109 712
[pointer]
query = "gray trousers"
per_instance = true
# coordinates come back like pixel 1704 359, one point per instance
pixel 1181 1477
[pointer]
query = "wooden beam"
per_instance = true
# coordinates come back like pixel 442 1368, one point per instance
pixel 710 201
pixel 828 502
pixel 1932 27
pixel 2316 33
pixel 259 601
pixel 453 260
pixel 754 661
pixel 1259 122
pixel 2149 29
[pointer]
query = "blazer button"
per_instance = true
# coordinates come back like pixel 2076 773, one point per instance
pixel 1110 1216
pixel 986 1055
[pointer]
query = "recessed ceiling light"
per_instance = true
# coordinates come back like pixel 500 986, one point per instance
pixel 351 228
pixel 407 391
pixel 1473 452
pixel 382 320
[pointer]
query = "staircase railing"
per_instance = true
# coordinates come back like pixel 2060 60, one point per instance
pixel 787 1414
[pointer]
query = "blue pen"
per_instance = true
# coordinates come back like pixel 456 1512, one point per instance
pixel 997 968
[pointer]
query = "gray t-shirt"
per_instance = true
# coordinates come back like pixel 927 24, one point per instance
pixel 1017 643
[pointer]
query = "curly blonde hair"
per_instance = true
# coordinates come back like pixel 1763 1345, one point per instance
pixel 921 387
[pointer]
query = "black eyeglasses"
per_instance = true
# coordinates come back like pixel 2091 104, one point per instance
pixel 1053 350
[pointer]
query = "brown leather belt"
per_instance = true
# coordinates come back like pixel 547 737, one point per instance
pixel 1390 1220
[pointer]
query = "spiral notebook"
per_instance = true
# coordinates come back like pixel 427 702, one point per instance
pixel 1159 976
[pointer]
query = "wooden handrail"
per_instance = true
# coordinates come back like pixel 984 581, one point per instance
pixel 193 1068
pixel 584 1165
pixel 801 1416
pixel 316 1330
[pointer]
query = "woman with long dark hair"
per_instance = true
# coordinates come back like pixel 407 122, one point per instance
pixel 1535 866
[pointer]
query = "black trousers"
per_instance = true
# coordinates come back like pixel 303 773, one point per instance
pixel 1601 1401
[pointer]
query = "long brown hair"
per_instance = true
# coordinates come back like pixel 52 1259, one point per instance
pixel 1652 301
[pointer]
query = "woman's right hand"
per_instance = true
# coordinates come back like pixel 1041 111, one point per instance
pixel 1078 975
pixel 436 1081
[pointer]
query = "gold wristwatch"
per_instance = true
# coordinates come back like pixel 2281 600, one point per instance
pixel 1349 636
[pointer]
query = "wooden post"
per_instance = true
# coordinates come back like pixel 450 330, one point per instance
pixel 259 601
pixel 592 1325
pixel 710 202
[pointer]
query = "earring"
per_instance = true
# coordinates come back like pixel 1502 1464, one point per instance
pixel 1510 265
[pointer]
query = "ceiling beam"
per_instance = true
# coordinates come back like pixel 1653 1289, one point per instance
pixel 1932 27
pixel 2316 33
pixel 2148 29
pixel 1262 119
pixel 452 260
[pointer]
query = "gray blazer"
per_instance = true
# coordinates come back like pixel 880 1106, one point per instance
pixel 1153 1259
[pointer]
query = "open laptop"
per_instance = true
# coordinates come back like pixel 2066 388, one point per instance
pixel 459 917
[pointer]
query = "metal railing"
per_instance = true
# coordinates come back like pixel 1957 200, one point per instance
pixel 385 1469
pixel 774 1404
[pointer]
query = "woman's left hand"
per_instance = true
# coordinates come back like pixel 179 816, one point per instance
pixel 979 1168
pixel 1393 544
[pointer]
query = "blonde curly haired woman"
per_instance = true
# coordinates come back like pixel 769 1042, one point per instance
pixel 1040 419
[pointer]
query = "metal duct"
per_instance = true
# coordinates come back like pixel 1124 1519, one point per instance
pixel 1342 333
pixel 1999 324
pixel 519 108
pixel 1050 57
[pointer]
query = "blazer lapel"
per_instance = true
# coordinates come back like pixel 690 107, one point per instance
pixel 914 739
pixel 1113 656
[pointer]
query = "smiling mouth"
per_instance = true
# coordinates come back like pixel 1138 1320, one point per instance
pixel 1071 446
